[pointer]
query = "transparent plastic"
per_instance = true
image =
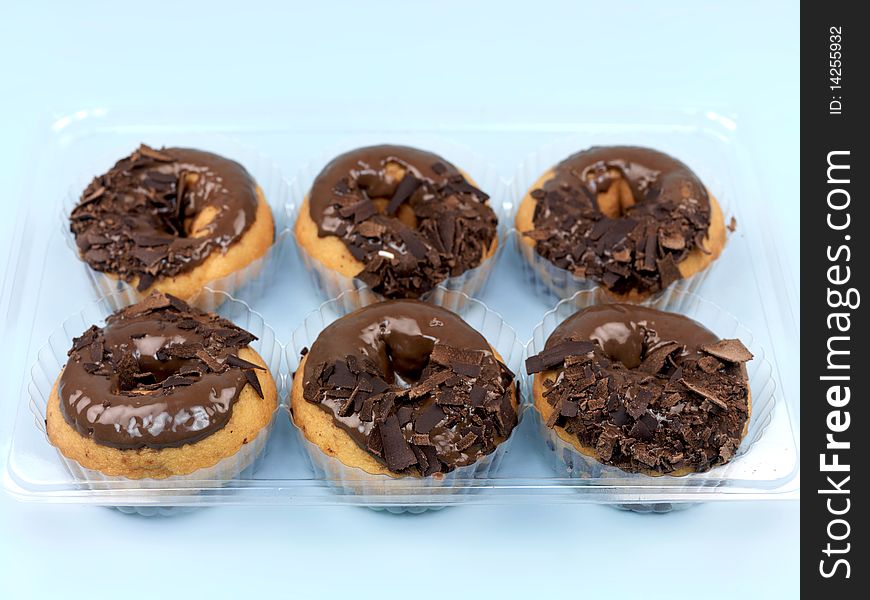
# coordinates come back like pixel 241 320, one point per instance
pixel 46 283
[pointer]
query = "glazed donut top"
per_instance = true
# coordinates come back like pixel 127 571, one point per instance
pixel 410 216
pixel 645 389
pixel 413 384
pixel 159 374
pixel 638 249
pixel 138 219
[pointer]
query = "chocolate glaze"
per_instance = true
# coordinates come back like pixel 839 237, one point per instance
pixel 646 389
pixel 134 220
pixel 626 333
pixel 639 250
pixel 408 367
pixel 160 374
pixel 411 233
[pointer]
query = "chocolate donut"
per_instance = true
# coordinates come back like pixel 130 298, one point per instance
pixel 163 389
pixel 643 390
pixel 172 220
pixel 400 219
pixel 632 219
pixel 405 388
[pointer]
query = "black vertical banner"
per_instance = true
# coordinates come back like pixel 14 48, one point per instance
pixel 835 234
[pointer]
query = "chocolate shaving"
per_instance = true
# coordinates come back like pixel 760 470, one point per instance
pixel 556 355
pixel 429 384
pixel 86 339
pixel 465 369
pixel 370 229
pixel 427 459
pixel 397 452
pixel 174 380
pixel 360 212
pixel 97 192
pixel 154 154
pixel 732 351
pixel 413 242
pixel 443 354
pixel 706 392
pixel 477 395
pixel 235 361
pixel 642 454
pixel 672 240
pixel 151 303
pixel 407 186
pixel 428 418
pixel 254 382
pixel 568 408
pixel 637 404
pixel 708 364
pixel 374 442
pixel 656 360
pixel 669 272
pixel 421 439
pixel 467 440
pixel 146 280
pixel 212 363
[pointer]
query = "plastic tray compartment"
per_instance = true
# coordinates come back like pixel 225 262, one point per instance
pixel 46 284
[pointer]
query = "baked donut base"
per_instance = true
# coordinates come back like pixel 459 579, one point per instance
pixel 545 410
pixel 331 252
pixel 250 415
pixel 697 260
pixel 318 427
pixel 253 244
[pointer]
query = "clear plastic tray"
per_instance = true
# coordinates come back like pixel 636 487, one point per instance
pixel 45 284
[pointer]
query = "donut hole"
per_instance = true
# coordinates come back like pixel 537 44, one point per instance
pixel 383 189
pixel 394 171
pixel 617 198
pixel 400 349
pixel 407 356
pixel 162 369
pixel 198 224
pixel 405 214
pixel 624 343
pixel 146 361
pixel 194 225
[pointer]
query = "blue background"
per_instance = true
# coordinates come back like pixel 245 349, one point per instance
pixel 496 59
